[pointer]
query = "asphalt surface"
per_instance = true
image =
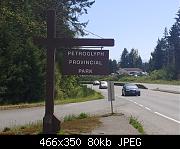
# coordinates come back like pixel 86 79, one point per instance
pixel 159 112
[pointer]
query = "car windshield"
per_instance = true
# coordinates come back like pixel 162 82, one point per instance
pixel 131 86
pixel 103 82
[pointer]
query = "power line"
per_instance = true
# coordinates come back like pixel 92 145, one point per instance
pixel 93 33
pixel 88 31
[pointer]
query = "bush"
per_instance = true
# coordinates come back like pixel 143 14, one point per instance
pixel 162 74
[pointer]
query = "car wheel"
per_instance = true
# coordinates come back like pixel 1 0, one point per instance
pixel 124 93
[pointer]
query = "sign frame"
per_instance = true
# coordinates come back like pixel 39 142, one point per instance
pixel 85 62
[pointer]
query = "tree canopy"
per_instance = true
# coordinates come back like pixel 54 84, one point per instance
pixel 130 60
pixel 22 64
pixel 166 55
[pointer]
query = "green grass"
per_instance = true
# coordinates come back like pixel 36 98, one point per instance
pixel 69 118
pixel 136 124
pixel 29 129
pixel 73 117
pixel 72 124
pixel 95 96
pixel 147 79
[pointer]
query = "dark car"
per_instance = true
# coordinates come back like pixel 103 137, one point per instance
pixel 130 89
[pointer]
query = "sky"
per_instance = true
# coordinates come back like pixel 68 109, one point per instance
pixel 131 23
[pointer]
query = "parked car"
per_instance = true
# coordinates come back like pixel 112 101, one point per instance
pixel 103 85
pixel 96 82
pixel 130 89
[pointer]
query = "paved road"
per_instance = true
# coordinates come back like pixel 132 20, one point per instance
pixel 159 112
pixel 162 86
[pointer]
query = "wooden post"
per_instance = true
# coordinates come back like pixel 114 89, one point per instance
pixel 50 123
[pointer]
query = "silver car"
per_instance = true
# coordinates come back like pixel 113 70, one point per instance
pixel 96 82
pixel 103 85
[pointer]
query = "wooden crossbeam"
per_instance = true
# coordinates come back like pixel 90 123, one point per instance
pixel 69 42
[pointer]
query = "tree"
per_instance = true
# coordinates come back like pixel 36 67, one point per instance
pixel 22 64
pixel 112 66
pixel 130 60
pixel 145 67
pixel 158 56
pixel 166 47
pixel 174 42
pixel 167 52
pixel 124 61
pixel 139 62
pixel 134 59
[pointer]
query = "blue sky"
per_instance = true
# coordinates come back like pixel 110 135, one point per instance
pixel 132 23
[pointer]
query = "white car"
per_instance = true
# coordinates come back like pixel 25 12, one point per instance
pixel 96 82
pixel 103 85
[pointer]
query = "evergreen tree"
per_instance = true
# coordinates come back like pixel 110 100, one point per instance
pixel 166 48
pixel 130 60
pixel 167 52
pixel 134 59
pixel 124 61
pixel 174 42
pixel 145 67
pixel 112 66
pixel 139 62
pixel 158 56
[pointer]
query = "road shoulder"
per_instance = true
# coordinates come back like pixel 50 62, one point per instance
pixel 116 124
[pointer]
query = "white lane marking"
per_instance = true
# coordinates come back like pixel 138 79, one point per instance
pixel 167 117
pixel 148 108
pixel 155 112
pixel 135 102
pixel 140 105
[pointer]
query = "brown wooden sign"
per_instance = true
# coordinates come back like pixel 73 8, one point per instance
pixel 50 123
pixel 85 62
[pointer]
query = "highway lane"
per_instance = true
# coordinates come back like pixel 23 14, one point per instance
pixel 158 111
pixel 161 102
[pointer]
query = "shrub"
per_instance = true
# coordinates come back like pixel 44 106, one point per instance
pixel 162 74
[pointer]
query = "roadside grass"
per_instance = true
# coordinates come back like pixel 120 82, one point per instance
pixel 95 96
pixel 29 129
pixel 147 79
pixel 73 117
pixel 72 124
pixel 79 126
pixel 136 124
